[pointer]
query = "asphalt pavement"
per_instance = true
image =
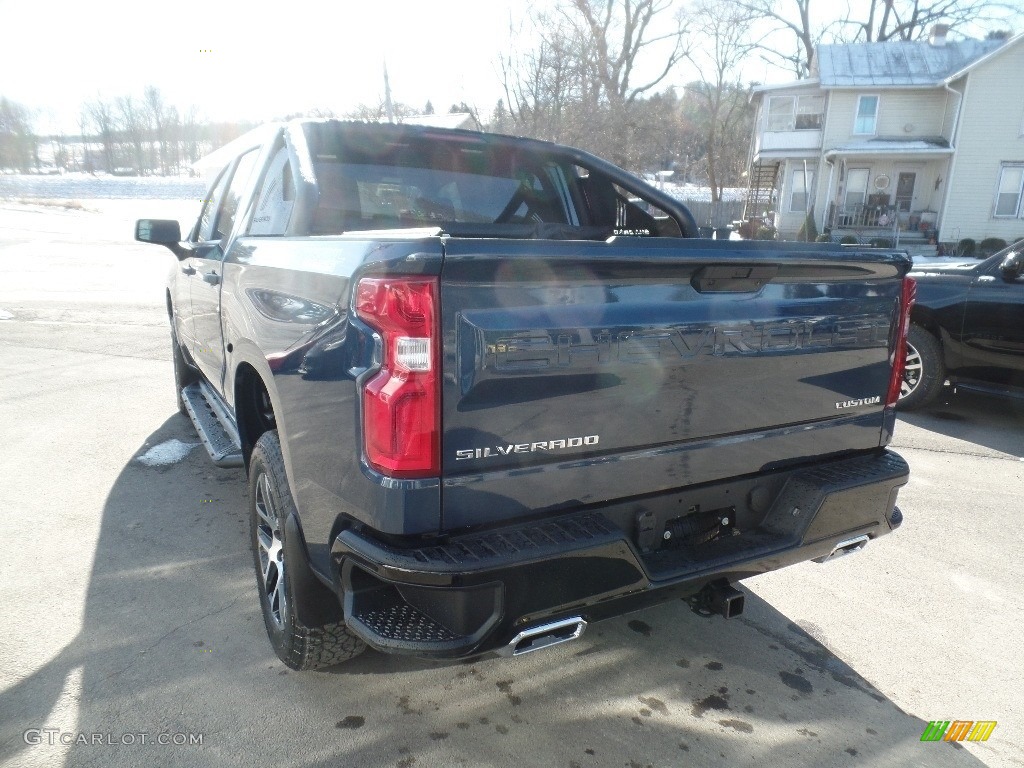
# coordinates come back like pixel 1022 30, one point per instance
pixel 131 615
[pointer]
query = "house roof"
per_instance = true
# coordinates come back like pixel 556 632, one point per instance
pixel 806 83
pixel 889 147
pixel 902 63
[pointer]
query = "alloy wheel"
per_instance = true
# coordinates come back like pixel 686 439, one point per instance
pixel 912 371
pixel 271 551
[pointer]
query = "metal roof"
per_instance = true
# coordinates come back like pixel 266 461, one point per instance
pixel 898 63
pixel 805 83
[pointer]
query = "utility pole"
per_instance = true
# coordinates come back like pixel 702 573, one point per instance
pixel 388 106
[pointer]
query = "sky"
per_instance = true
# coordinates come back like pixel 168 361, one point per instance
pixel 259 60
pixel 251 60
pixel 254 60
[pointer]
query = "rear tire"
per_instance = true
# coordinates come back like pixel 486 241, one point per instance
pixel 270 503
pixel 924 373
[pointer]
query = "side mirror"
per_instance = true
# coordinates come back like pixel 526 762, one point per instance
pixel 1012 266
pixel 166 232
pixel 159 231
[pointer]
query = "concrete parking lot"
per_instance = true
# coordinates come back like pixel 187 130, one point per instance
pixel 130 612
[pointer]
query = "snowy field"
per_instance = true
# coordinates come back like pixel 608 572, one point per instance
pixel 80 186
pixel 84 186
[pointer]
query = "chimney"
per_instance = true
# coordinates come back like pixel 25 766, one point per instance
pixel 937 37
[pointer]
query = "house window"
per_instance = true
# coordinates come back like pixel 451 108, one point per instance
pixel 780 113
pixel 802 182
pixel 1011 179
pixel 867 116
pixel 800 113
pixel 856 187
pixel 808 113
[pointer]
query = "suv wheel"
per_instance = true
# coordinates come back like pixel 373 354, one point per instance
pixel 270 503
pixel 924 373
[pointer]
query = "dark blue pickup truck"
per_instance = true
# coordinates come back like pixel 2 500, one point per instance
pixel 488 390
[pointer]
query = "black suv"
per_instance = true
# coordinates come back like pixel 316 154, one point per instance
pixel 968 328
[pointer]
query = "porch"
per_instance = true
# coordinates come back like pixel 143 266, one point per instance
pixel 886 190
pixel 879 219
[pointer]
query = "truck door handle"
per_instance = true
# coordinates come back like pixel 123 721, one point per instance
pixel 211 277
pixel 188 269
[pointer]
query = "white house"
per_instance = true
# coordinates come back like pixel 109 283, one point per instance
pixel 924 140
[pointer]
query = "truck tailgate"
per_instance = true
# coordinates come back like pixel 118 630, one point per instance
pixel 583 372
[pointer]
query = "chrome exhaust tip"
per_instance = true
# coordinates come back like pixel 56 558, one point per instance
pixel 544 636
pixel 845 547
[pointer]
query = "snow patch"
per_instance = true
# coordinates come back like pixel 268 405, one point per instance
pixel 695 193
pixel 169 452
pixel 82 186
pixel 951 261
pixel 5 315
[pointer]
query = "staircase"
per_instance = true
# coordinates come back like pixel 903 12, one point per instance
pixel 761 189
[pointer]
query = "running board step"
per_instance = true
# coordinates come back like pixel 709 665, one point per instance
pixel 214 424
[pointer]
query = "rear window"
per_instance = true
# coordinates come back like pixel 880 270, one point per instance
pixel 411 182
pixel 381 195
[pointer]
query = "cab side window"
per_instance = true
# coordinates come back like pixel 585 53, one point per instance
pixel 275 198
pixel 233 198
pixel 210 206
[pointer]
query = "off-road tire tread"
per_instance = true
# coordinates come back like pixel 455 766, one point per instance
pixel 306 647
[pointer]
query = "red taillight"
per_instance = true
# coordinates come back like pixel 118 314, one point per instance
pixel 899 348
pixel 401 403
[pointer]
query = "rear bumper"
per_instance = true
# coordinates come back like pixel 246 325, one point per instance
pixel 474 593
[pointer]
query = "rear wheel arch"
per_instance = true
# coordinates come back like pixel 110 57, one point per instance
pixel 923 317
pixel 255 407
pixel 303 617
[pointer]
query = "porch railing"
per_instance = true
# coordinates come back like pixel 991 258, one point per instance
pixel 883 217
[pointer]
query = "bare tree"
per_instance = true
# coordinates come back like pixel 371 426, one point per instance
pixel 801 30
pixel 542 84
pixel 724 29
pixel 578 84
pixel 181 136
pixel 17 139
pixel 912 19
pixel 100 119
pixel 156 111
pixel 621 32
pixel 806 23
pixel 376 113
pixel 133 127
